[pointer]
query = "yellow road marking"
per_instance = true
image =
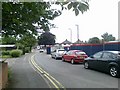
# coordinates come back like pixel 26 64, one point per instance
pixel 38 72
pixel 51 81
pixel 49 77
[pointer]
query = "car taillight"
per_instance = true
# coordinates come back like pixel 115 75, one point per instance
pixel 75 56
pixel 86 56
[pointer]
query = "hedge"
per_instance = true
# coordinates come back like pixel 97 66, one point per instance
pixel 16 53
pixel 5 52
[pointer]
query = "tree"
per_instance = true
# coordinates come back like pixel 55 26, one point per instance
pixel 8 40
pixel 94 40
pixel 18 18
pixel 27 41
pixel 46 38
pixel 76 6
pixel 108 37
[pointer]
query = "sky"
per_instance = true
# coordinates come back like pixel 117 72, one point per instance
pixel 101 17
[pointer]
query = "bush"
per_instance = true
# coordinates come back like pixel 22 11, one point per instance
pixel 5 52
pixel 27 49
pixel 16 53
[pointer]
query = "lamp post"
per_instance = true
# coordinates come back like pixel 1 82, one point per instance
pixel 77 31
pixel 70 34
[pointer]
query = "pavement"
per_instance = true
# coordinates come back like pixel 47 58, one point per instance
pixel 23 75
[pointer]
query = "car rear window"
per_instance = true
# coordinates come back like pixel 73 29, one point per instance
pixel 61 51
pixel 80 53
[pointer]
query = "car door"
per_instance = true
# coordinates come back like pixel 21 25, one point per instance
pixel 66 56
pixel 71 55
pixel 94 60
pixel 104 61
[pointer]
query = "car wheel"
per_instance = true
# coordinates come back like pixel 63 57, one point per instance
pixel 72 61
pixel 51 56
pixel 114 71
pixel 55 58
pixel 86 65
pixel 63 59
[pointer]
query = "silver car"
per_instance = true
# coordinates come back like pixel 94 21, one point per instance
pixel 58 53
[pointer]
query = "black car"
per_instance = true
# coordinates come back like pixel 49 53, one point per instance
pixel 106 61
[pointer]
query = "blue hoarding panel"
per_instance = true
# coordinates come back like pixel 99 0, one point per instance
pixel 93 48
pixel 48 50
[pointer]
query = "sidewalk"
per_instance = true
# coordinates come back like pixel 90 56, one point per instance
pixel 23 75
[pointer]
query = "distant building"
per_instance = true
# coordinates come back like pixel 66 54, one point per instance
pixel 66 42
pixel 78 42
pixel 2 46
pixel 7 47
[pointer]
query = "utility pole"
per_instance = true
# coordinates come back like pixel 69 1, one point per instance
pixel 77 31
pixel 70 34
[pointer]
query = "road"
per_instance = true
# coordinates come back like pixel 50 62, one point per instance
pixel 23 75
pixel 39 70
pixel 74 76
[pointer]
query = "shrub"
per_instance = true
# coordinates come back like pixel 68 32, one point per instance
pixel 16 53
pixel 27 49
pixel 5 52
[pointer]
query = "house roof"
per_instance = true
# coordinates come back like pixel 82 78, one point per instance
pixel 78 42
pixel 66 42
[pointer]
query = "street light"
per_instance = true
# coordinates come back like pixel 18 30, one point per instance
pixel 70 34
pixel 77 31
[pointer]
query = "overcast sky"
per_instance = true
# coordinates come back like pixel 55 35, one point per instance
pixel 100 18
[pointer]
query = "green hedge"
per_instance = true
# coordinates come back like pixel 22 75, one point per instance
pixel 5 52
pixel 16 53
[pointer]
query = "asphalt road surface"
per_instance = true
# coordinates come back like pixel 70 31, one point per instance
pixel 31 71
pixel 23 75
pixel 74 76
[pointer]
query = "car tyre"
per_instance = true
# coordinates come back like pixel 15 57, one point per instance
pixel 72 61
pixel 51 56
pixel 114 71
pixel 63 59
pixel 86 65
pixel 55 57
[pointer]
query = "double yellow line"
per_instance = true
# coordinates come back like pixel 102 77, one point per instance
pixel 53 81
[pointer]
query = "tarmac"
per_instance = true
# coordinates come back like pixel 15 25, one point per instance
pixel 23 75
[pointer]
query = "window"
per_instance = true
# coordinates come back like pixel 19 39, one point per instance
pixel 97 55
pixel 114 56
pixel 107 55
pixel 61 51
pixel 68 53
pixel 80 53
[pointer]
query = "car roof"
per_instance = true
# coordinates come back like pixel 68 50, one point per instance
pixel 115 52
pixel 76 50
pixel 60 49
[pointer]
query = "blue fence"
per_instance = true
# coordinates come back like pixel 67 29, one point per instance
pixel 90 49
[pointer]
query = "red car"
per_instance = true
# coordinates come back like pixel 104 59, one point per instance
pixel 74 56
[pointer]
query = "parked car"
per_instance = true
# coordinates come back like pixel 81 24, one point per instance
pixel 74 56
pixel 58 53
pixel 106 61
pixel 41 50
